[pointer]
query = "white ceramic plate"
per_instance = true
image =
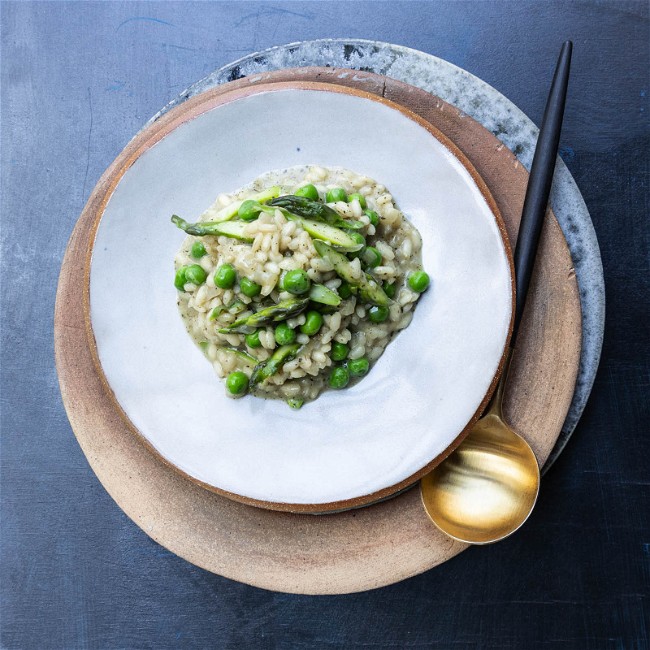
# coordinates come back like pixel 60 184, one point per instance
pixel 348 447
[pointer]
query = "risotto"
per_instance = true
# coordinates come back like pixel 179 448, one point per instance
pixel 297 282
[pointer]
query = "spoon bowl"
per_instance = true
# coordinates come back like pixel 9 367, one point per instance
pixel 488 486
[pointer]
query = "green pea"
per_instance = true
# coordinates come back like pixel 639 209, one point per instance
pixel 336 194
pixel 313 322
pixel 249 288
pixel 358 367
pixel 378 314
pixel 390 289
pixel 419 281
pixel 359 197
pixel 253 340
pixel 295 402
pixel 195 274
pixel 180 279
pixel 340 377
pixel 249 210
pixel 225 276
pixel 198 250
pixel 339 351
pixel 371 256
pixel 296 282
pixel 345 290
pixel 237 383
pixel 308 191
pixel 373 216
pixel 284 334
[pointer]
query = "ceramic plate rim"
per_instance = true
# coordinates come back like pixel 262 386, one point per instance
pixel 204 102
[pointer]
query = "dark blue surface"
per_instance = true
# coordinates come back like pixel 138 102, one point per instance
pixel 78 80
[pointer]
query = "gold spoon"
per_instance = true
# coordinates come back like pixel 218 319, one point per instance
pixel 486 489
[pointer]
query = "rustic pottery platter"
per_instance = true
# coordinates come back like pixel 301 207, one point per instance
pixel 348 447
pixel 356 549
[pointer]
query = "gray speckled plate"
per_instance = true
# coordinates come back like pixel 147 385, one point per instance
pixel 496 113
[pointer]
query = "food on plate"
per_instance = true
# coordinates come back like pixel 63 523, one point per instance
pixel 296 283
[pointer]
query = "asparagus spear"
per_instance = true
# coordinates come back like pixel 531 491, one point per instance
pixel 369 288
pixel 324 232
pixel 320 293
pixel 233 229
pixel 317 229
pixel 267 368
pixel 244 356
pixel 247 358
pixel 301 206
pixel 273 314
pixel 230 211
pixel 235 307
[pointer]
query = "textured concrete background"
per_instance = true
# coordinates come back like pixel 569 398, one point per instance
pixel 78 80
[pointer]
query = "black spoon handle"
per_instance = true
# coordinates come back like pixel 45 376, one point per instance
pixel 539 183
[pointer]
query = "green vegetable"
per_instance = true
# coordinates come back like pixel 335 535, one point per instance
pixel 323 309
pixel 390 289
pixel 284 334
pixel 371 256
pixel 233 229
pixel 299 208
pixel 249 210
pixel 358 237
pixel 321 294
pixel 195 274
pixel 350 224
pixel 198 250
pixel 204 345
pixel 227 213
pixel 244 356
pixel 419 281
pixel 313 323
pixel 340 377
pixel 237 383
pixel 370 291
pixel 265 369
pixel 225 276
pixel 302 206
pixel 253 340
pixel 359 197
pixel 339 351
pixel 249 288
pixel 179 279
pixel 308 191
pixel 339 261
pixel 369 288
pixel 273 314
pixel 216 312
pixel 373 216
pixel 295 402
pixel 330 234
pixel 378 313
pixel 345 291
pixel 235 307
pixel 336 194
pixel 296 281
pixel 358 367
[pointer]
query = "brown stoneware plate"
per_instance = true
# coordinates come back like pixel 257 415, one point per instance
pixel 342 552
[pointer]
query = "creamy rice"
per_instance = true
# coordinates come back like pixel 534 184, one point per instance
pixel 280 245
